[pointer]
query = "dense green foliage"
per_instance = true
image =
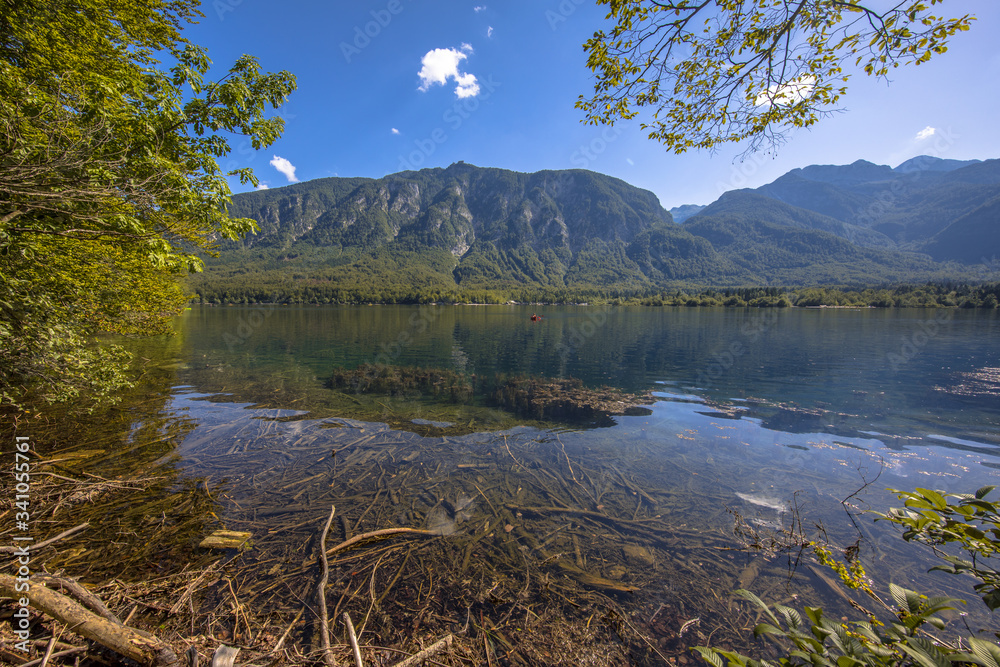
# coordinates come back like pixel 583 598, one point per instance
pixel 730 70
pixel 900 639
pixel 278 287
pixel 109 182
pixel 971 523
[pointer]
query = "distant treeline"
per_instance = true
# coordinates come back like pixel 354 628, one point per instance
pixel 928 295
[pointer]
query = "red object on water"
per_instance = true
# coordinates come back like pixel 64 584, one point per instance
pixel 535 318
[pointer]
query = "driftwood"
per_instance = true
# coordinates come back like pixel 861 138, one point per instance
pixel 433 649
pixel 355 649
pixel 51 540
pixel 59 654
pixel 91 601
pixel 225 656
pixel 140 646
pixel 324 620
pixel 381 534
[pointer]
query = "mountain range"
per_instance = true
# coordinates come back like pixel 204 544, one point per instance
pixel 465 228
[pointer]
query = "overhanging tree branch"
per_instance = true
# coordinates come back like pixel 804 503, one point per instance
pixel 753 69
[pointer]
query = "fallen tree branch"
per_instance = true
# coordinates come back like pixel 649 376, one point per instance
pixel 354 640
pixel 324 619
pixel 381 534
pixel 45 543
pixel 91 601
pixel 58 654
pixel 422 656
pixel 140 646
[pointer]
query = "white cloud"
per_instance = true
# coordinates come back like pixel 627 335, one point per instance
pixel 285 167
pixel 479 8
pixel 395 131
pixel 925 133
pixel 489 31
pixel 788 94
pixel 439 65
pixel 262 186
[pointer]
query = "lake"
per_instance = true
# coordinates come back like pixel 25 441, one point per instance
pixel 764 421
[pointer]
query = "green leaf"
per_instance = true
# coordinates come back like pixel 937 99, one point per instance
pixel 986 653
pixel 984 491
pixel 709 655
pixel 792 618
pixel 899 595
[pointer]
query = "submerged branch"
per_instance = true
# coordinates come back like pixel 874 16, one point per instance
pixel 129 642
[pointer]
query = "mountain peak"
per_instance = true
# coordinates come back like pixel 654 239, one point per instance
pixel 685 211
pixel 857 172
pixel 932 163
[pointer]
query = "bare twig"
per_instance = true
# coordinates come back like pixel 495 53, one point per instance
pixel 60 654
pixel 190 588
pixel 354 640
pixel 381 534
pixel 433 649
pixel 321 593
pixel 48 651
pixel 45 543
pixel 288 630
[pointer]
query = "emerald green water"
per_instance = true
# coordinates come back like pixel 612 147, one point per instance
pixel 906 375
pixel 772 415
pixel 765 403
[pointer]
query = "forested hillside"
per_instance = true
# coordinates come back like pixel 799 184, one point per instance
pixel 485 234
pixel 913 207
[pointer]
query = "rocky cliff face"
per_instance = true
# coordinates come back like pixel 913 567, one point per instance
pixel 485 228
pixel 454 208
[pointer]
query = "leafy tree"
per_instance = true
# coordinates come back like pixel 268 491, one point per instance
pixel 109 181
pixel 718 71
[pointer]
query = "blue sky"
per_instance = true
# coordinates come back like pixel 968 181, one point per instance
pixel 512 73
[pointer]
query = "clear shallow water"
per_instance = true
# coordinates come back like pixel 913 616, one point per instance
pixel 822 391
pixel 817 390
pixel 906 375
pixel 771 415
